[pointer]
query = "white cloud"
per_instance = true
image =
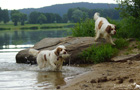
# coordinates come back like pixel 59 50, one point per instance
pixel 19 4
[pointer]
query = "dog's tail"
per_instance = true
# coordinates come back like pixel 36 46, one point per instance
pixel 33 52
pixel 96 16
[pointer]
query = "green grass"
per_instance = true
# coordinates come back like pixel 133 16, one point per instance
pixel 97 54
pixel 84 28
pixel 121 43
pixel 138 45
pixel 10 26
pixel 102 53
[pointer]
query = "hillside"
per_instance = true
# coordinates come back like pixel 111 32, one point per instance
pixel 61 9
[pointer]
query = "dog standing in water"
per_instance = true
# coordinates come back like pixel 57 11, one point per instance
pixel 53 58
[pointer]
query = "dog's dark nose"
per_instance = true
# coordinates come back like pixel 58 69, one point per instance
pixel 65 52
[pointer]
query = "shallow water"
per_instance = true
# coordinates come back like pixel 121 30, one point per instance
pixel 29 77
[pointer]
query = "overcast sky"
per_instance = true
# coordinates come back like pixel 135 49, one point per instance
pixel 20 4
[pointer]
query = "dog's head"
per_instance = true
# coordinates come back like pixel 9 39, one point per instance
pixel 61 51
pixel 111 29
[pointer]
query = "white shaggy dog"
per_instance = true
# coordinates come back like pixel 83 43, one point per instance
pixel 103 28
pixel 53 58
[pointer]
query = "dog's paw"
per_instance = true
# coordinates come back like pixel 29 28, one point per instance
pixel 95 40
pixel 113 44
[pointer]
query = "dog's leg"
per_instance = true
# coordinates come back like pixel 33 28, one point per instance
pixel 97 36
pixel 53 65
pixel 109 39
pixel 40 62
pixel 60 65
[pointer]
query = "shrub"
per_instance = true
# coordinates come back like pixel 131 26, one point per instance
pixel 5 28
pixel 34 27
pixel 128 28
pixel 104 52
pixel 121 43
pixel 24 28
pixel 97 54
pixel 49 27
pixel 84 28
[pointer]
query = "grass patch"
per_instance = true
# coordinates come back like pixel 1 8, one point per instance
pixel 102 53
pixel 138 45
pixel 10 26
pixel 50 27
pixel 121 43
pixel 97 54
pixel 84 28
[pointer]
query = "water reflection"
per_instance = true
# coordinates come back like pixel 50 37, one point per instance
pixel 50 79
pixel 17 46
pixel 29 37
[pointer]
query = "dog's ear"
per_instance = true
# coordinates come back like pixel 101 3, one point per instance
pixel 108 29
pixel 58 50
pixel 115 27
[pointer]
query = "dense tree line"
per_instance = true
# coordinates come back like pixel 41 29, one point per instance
pixel 73 15
pixel 37 17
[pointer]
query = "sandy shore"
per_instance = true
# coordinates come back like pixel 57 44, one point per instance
pixel 121 74
pixel 107 76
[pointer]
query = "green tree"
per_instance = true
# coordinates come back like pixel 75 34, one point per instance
pixel 77 15
pixel 5 16
pixel 50 17
pixel 69 13
pixel 130 12
pixel 65 18
pixel 129 8
pixel 0 14
pixel 42 18
pixel 33 17
pixel 15 17
pixel 23 18
pixel 58 18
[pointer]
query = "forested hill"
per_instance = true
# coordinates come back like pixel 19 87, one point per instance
pixel 61 9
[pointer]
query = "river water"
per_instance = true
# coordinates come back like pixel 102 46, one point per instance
pixel 15 76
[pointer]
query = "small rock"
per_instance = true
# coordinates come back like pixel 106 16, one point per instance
pixel 103 79
pixel 98 86
pixel 58 87
pixel 131 81
pixel 129 62
pixel 112 79
pixel 85 85
pixel 93 81
pixel 119 81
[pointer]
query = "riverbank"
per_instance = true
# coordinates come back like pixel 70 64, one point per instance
pixel 119 74
pixel 10 26
pixel 108 76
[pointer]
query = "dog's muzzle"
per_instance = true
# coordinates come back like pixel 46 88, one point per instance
pixel 114 32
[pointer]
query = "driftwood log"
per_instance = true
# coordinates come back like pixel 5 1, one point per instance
pixel 74 46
